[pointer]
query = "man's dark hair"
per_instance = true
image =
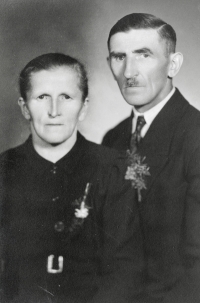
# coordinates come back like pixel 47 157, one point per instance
pixel 146 21
pixel 50 61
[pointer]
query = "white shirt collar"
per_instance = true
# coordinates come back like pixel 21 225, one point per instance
pixel 150 114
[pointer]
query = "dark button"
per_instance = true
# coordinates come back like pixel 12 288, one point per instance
pixel 54 169
pixel 59 226
pixel 55 199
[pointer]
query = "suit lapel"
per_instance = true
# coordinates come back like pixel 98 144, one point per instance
pixel 156 145
pixel 124 137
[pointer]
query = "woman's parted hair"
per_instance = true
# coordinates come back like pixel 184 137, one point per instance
pixel 50 61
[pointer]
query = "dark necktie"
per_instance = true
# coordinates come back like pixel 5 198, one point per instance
pixel 136 136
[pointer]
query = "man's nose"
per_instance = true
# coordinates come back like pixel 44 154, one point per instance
pixel 130 68
pixel 54 108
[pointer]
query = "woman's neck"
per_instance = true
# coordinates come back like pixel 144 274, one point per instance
pixel 51 152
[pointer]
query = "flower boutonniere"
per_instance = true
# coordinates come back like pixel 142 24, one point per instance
pixel 136 171
pixel 81 209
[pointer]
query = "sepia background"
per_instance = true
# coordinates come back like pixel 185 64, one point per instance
pixel 80 28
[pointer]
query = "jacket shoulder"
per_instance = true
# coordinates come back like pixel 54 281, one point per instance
pixel 190 127
pixel 118 128
pixel 121 129
pixel 102 154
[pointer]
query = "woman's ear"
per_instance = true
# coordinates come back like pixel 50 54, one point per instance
pixel 83 110
pixel 176 61
pixel 24 109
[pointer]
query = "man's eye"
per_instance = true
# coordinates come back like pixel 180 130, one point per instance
pixel 144 55
pixel 118 57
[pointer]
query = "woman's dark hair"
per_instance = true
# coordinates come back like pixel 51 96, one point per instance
pixel 146 21
pixel 50 61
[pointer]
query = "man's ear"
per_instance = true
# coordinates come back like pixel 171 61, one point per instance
pixel 24 109
pixel 84 109
pixel 176 61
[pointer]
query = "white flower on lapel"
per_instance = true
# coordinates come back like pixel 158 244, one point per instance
pixel 136 172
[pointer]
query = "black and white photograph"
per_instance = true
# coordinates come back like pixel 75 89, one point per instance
pixel 100 151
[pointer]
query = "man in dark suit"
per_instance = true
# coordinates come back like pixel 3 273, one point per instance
pixel 143 60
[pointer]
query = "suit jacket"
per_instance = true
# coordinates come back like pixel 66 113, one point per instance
pixel 38 203
pixel 170 207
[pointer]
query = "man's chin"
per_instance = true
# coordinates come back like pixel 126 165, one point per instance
pixel 133 101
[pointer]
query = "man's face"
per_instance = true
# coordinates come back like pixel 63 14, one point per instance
pixel 140 65
pixel 54 105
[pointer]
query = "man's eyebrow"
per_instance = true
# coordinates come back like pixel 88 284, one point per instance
pixel 143 51
pixel 117 53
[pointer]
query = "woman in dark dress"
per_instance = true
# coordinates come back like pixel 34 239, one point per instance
pixel 69 222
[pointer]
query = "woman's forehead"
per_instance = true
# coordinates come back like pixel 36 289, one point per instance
pixel 59 78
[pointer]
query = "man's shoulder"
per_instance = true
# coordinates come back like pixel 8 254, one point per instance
pixel 119 136
pixel 183 104
pixel 102 154
pixel 182 123
pixel 193 113
pixel 191 116
pixel 190 124
pixel 119 127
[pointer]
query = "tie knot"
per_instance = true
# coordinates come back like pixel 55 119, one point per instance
pixel 136 136
pixel 140 123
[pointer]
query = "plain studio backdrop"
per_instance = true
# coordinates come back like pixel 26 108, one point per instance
pixel 29 28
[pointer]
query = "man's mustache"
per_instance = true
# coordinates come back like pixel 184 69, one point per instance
pixel 132 82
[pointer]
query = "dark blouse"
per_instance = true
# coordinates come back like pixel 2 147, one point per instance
pixel 49 254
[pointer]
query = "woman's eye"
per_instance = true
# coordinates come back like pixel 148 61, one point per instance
pixel 66 97
pixel 41 97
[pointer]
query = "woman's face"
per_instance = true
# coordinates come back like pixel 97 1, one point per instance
pixel 54 105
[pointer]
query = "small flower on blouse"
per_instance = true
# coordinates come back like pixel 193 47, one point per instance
pixel 83 212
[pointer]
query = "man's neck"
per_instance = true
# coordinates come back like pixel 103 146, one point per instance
pixel 150 115
pixel 53 153
pixel 162 96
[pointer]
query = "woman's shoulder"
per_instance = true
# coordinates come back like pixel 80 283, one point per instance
pixel 12 156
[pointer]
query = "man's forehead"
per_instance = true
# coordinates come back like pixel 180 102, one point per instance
pixel 135 38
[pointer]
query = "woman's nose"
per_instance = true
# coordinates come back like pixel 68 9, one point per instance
pixel 54 108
